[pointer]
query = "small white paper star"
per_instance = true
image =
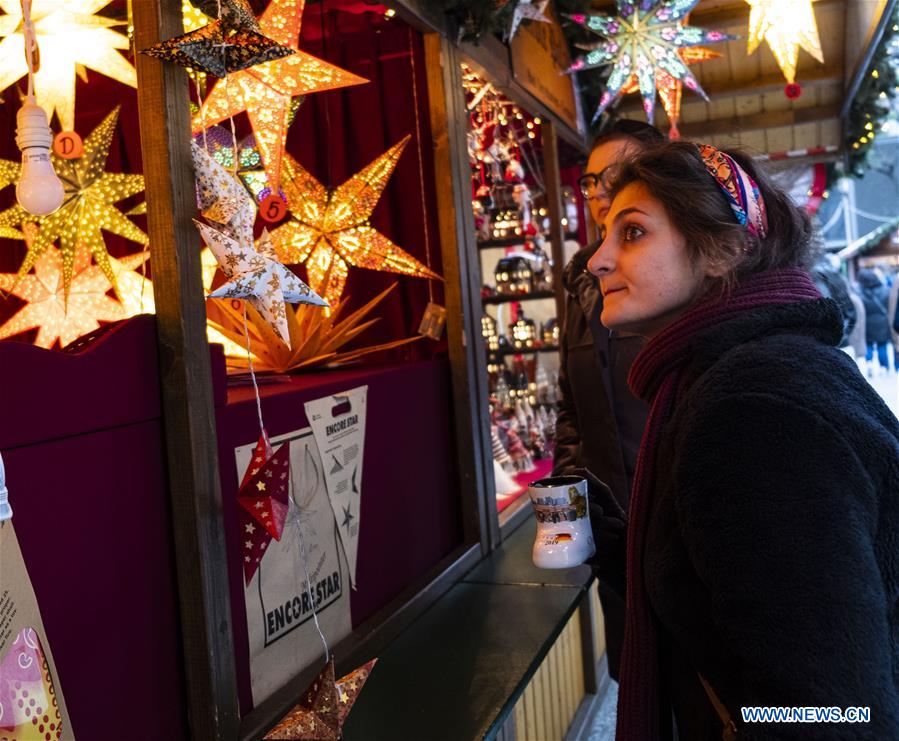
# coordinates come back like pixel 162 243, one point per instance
pixel 530 10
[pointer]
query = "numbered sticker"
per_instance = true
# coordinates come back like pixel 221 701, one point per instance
pixel 68 145
pixel 273 208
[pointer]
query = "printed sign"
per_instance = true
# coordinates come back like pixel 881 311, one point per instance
pixel 338 423
pixel 283 639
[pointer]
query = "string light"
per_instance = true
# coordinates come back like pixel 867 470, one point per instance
pixel 70 37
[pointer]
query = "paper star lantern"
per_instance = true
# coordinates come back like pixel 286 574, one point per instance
pixel 533 11
pixel 644 38
pixel 135 289
pixel 669 88
pixel 221 198
pixel 9 173
pixel 786 25
pixel 258 277
pixel 48 310
pixel 263 502
pixel 266 91
pixel 88 208
pixel 218 50
pixel 233 13
pixel 329 230
pixel 70 37
pixel 324 707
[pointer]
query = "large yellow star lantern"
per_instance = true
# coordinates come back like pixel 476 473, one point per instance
pixel 71 38
pixel 786 25
pixel 266 91
pixel 57 317
pixel 88 208
pixel 329 230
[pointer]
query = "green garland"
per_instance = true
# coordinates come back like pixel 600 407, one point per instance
pixel 873 102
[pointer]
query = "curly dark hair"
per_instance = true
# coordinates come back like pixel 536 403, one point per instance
pixel 625 128
pixel 675 175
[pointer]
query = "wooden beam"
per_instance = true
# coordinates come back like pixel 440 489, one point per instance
pixel 552 177
pixel 736 14
pixel 186 381
pixel 756 121
pixel 462 290
pixel 773 83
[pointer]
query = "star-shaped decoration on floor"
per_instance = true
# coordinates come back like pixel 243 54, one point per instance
pixel 328 230
pixel 70 38
pixel 218 49
pixel 530 10
pixel 324 707
pixel 348 517
pixel 644 37
pixel 88 209
pixel 57 320
pixel 256 275
pixel 266 92
pixel 787 26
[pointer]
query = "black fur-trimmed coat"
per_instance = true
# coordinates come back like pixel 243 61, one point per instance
pixel 772 554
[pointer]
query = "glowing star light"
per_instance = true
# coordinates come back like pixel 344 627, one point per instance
pixel 88 208
pixel 786 25
pixel 329 230
pixel 47 309
pixel 324 707
pixel 644 38
pixel 70 37
pixel 266 91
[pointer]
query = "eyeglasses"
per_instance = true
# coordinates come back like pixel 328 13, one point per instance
pixel 589 181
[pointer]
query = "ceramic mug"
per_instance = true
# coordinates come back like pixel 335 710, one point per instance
pixel 564 538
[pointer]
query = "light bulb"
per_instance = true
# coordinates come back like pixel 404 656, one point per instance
pixel 39 191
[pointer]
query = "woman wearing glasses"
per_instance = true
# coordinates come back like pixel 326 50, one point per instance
pixel 600 422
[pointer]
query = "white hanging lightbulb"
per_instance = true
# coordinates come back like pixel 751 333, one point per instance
pixel 39 190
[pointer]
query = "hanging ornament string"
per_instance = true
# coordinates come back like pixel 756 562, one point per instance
pixel 421 173
pixel 32 56
pixel 246 333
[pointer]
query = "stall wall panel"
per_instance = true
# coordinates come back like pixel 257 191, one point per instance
pixel 91 514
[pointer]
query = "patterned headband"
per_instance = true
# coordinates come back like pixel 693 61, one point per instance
pixel 741 191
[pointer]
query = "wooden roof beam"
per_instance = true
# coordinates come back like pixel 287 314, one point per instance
pixel 757 121
pixel 736 14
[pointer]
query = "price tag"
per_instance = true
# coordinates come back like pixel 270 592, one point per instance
pixel 68 145
pixel 273 208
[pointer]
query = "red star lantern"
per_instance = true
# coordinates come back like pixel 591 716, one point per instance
pixel 263 500
pixel 324 707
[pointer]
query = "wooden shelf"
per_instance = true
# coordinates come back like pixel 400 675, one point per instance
pixel 508 298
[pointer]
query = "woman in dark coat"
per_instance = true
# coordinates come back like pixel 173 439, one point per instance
pixel 875 295
pixel 762 547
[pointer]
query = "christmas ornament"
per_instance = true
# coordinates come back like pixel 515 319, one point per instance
pixel 644 38
pixel 670 88
pixel 218 49
pixel 71 38
pixel 329 230
pixel 256 275
pixel 266 92
pixel 316 337
pixel 533 11
pixel 232 13
pixel 221 198
pixel 786 25
pixel 59 312
pixel 324 707
pixel 88 209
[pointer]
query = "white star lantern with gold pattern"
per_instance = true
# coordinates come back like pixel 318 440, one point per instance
pixel 530 10
pixel 787 26
pixel 71 37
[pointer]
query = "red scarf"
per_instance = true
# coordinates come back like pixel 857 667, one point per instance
pixel 654 377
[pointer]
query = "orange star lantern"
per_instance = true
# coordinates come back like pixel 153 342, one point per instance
pixel 670 88
pixel 266 91
pixel 47 309
pixel 329 230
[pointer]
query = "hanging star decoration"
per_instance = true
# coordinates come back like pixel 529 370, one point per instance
pixel 266 91
pixel 329 230
pixel 670 88
pixel 59 314
pixel 324 708
pixel 233 13
pixel 225 45
pixel 530 10
pixel 9 173
pixel 88 208
pixel 644 37
pixel 135 289
pixel 71 38
pixel 786 25
pixel 263 502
